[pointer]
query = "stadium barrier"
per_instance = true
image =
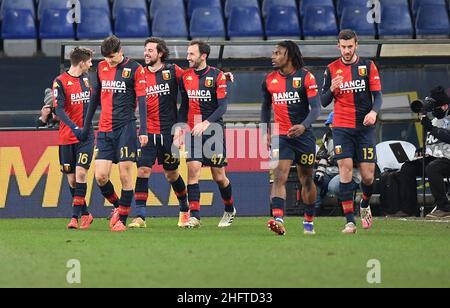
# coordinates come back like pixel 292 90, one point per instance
pixel 32 186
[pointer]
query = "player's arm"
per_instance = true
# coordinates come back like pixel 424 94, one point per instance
pixel 93 104
pixel 59 99
pixel 184 108
pixel 327 93
pixel 375 90
pixel 266 108
pixel 140 86
pixel 313 99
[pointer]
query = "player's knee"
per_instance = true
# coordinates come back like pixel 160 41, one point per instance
pixel 172 176
pixel 102 179
pixel 144 172
pixel 368 179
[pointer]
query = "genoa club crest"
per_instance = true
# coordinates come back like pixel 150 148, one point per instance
pixel 362 71
pixel 86 82
pixel 338 150
pixel 126 73
pixel 209 83
pixel 297 83
pixel 166 75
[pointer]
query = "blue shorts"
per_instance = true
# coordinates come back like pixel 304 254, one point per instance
pixel 159 147
pixel 208 150
pixel 356 143
pixel 300 150
pixel 76 155
pixel 119 145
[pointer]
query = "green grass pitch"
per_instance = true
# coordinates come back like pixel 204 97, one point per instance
pixel 35 252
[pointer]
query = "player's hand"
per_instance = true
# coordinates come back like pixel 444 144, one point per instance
pixel 296 131
pixel 178 138
pixel 200 128
pixel 268 138
pixel 370 119
pixel 143 139
pixel 229 76
pixel 427 124
pixel 336 83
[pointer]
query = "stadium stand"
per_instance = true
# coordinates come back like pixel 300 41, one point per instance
pixel 396 21
pixel 95 24
pixel 355 17
pixel 207 23
pixel 131 23
pixel 173 5
pixel 128 4
pixel 19 33
pixel 267 5
pixel 230 4
pixel 252 19
pixel 282 22
pixel 245 23
pixel 54 29
pixel 319 22
pixel 50 4
pixel 196 4
pixel 432 22
pixel 25 5
pixel 170 24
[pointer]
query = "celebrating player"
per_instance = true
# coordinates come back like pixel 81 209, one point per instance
pixel 121 83
pixel 162 90
pixel 71 95
pixel 204 94
pixel 355 86
pixel 293 93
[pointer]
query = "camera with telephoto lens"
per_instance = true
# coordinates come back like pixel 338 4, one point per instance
pixel 438 98
pixel 321 171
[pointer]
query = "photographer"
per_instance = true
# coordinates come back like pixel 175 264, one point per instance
pixel 437 158
pixel 326 176
pixel 47 118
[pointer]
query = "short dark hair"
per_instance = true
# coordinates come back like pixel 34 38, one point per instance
pixel 161 46
pixel 111 45
pixel 347 34
pixel 80 55
pixel 203 47
pixel 294 53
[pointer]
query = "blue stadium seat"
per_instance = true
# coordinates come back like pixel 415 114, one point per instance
pixel 267 5
pixel 129 4
pixel 341 4
pixel 95 4
pixel 195 4
pixel 304 4
pixel 131 23
pixel 174 5
pixel 207 23
pixel 230 4
pixel 50 4
pixel 95 24
pixel 169 24
pixel 355 18
pixel 18 24
pixel 54 25
pixel 416 4
pixel 395 22
pixel 282 21
pixel 25 5
pixel 319 21
pixel 245 23
pixel 432 21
